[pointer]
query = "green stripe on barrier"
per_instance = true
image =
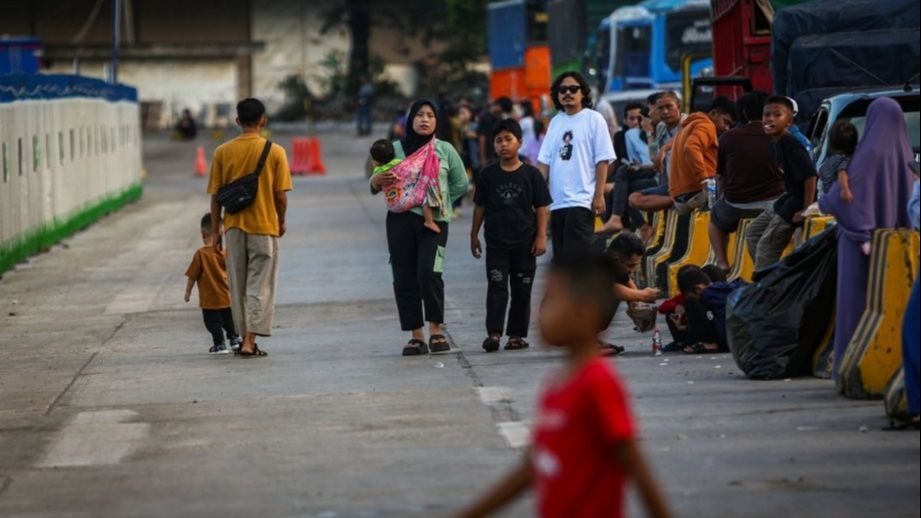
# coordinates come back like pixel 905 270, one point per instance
pixel 35 240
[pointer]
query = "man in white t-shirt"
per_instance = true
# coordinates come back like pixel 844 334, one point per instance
pixel 575 156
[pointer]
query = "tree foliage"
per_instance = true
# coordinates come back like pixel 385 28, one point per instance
pixel 458 25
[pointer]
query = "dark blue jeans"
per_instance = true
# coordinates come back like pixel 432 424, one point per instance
pixel 364 119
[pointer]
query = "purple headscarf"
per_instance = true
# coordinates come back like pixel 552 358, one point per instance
pixel 879 175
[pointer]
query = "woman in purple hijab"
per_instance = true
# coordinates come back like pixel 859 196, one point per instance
pixel 881 180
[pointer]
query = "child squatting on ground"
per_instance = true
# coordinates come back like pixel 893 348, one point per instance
pixel 209 271
pixel 384 157
pixel 513 199
pixel 583 448
pixel 842 141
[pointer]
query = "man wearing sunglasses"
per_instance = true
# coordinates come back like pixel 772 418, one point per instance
pixel 574 157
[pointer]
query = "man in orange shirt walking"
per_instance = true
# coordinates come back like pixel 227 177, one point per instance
pixel 251 234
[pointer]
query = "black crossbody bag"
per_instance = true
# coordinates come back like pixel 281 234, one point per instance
pixel 241 193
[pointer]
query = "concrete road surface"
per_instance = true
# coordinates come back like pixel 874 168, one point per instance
pixel 110 406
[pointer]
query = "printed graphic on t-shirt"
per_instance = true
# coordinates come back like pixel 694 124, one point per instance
pixel 509 192
pixel 566 150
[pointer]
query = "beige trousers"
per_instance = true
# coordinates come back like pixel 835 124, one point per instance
pixel 252 272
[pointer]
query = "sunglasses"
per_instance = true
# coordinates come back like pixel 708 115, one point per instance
pixel 569 89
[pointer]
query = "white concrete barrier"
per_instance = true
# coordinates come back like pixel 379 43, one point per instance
pixel 70 152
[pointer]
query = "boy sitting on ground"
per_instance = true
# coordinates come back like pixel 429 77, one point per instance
pixel 701 334
pixel 584 444
pixel 712 297
pixel 705 294
pixel 384 157
pixel 209 271
pixel 513 199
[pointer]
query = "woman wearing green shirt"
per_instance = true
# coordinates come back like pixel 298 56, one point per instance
pixel 417 254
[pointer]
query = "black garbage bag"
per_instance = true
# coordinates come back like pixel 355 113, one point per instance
pixel 775 325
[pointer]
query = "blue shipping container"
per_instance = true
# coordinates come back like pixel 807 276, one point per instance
pixel 507 34
pixel 19 55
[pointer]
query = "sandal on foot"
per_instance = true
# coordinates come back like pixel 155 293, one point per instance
pixel 439 344
pixel 516 344
pixel 898 425
pixel 491 345
pixel 415 347
pixel 610 349
pixel 699 348
pixel 256 352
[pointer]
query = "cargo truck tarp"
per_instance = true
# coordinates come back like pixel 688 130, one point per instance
pixel 880 58
pixel 829 16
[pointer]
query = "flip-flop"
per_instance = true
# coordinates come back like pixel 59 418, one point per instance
pixel 516 344
pixel 439 344
pixel 699 348
pixel 610 349
pixel 257 352
pixel 491 345
pixel 415 347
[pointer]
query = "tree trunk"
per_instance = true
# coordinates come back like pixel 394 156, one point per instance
pixel 360 27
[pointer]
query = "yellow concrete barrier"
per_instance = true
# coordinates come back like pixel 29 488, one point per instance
pixel 654 255
pixel 896 401
pixel 743 266
pixel 823 361
pixel 874 355
pixel 698 249
pixel 814 225
pixel 658 224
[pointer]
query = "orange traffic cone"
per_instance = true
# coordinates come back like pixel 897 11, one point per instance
pixel 299 153
pixel 315 158
pixel 201 164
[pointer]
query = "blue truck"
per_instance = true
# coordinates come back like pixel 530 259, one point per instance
pixel 20 55
pixel 644 46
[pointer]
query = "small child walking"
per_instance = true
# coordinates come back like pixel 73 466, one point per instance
pixel 513 199
pixel 842 141
pixel 384 157
pixel 209 270
pixel 584 449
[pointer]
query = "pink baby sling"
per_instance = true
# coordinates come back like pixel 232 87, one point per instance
pixel 416 181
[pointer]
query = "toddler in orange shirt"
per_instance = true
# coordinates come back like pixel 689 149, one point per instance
pixel 209 270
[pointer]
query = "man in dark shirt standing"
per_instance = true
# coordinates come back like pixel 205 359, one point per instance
pixel 749 179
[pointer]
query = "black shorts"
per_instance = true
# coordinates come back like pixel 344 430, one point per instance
pixel 726 217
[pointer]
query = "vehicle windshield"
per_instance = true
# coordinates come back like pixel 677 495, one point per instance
pixel 856 113
pixel 687 31
pixel 633 47
pixel 599 58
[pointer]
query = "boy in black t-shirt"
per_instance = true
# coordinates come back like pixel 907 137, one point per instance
pixel 513 199
pixel 770 233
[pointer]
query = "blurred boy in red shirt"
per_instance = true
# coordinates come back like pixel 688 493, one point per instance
pixel 584 448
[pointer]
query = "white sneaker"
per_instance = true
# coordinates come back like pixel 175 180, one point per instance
pixel 219 349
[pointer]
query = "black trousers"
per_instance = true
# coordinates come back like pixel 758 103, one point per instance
pixel 417 258
pixel 509 267
pixel 625 184
pixel 218 322
pixel 572 229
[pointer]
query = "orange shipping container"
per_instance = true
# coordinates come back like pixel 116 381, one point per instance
pixel 531 81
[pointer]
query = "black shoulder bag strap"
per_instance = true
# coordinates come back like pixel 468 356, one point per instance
pixel 263 157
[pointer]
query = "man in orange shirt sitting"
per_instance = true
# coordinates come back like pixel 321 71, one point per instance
pixel 694 150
